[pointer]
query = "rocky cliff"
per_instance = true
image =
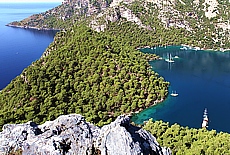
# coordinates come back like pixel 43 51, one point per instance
pixel 205 23
pixel 71 134
pixel 68 12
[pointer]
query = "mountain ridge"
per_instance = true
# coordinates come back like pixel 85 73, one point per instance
pixel 203 22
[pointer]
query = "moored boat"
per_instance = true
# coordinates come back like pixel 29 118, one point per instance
pixel 205 119
pixel 169 59
pixel 176 57
pixel 174 94
pixel 183 48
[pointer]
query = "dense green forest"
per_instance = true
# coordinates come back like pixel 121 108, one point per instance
pixel 102 75
pixel 98 75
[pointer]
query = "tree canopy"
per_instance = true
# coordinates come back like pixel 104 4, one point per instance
pixel 98 75
pixel 189 141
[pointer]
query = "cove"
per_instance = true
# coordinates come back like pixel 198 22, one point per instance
pixel 202 80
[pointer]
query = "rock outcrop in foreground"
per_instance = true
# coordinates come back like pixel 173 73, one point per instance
pixel 71 134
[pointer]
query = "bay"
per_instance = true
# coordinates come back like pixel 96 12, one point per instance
pixel 20 47
pixel 202 80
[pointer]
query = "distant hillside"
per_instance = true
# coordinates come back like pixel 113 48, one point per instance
pixel 63 15
pixel 203 23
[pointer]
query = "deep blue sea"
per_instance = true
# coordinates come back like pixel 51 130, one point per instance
pixel 202 80
pixel 20 47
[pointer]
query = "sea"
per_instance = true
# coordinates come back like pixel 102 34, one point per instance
pixel 20 47
pixel 201 79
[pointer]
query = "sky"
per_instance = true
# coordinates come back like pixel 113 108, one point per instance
pixel 31 1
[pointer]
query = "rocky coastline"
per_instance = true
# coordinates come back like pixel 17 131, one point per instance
pixel 34 28
pixel 71 134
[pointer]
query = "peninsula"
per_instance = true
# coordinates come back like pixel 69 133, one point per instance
pixel 93 67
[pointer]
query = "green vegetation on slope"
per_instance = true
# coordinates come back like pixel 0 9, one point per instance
pixel 187 19
pixel 185 141
pixel 183 18
pixel 98 75
pixel 64 15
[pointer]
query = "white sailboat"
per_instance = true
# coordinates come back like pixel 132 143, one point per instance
pixel 205 119
pixel 169 59
pixel 174 94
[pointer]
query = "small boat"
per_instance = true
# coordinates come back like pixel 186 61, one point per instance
pixel 176 57
pixel 205 119
pixel 169 59
pixel 183 48
pixel 174 94
pixel 196 48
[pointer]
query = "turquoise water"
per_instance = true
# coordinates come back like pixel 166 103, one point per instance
pixel 202 80
pixel 20 47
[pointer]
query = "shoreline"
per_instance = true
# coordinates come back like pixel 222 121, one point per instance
pixel 199 48
pixel 182 45
pixel 33 28
pixel 154 104
pixel 138 48
pixel 188 46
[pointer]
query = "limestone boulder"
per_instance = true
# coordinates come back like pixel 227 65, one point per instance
pixel 72 135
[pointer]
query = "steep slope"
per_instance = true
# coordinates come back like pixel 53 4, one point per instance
pixel 194 19
pixel 63 15
pixel 98 75
pixel 203 23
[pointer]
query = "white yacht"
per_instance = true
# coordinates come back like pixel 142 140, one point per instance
pixel 169 59
pixel 205 119
pixel 174 94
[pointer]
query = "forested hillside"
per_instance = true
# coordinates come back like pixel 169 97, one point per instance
pixel 101 74
pixel 98 75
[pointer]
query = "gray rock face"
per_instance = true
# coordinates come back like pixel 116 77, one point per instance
pixel 114 13
pixel 120 137
pixel 71 134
